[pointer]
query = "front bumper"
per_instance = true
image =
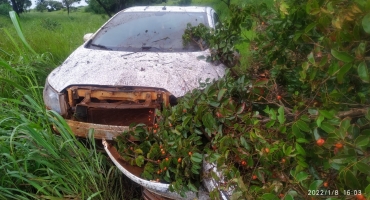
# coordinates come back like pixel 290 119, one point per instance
pixel 109 111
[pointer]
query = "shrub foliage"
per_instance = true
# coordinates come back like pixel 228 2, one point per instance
pixel 298 122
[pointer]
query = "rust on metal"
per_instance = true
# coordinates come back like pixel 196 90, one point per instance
pixel 101 131
pixel 120 117
pixel 111 110
pixel 114 153
pixel 133 94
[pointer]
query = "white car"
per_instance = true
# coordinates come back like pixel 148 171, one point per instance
pixel 135 63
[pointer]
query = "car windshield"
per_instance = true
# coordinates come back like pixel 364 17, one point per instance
pixel 148 31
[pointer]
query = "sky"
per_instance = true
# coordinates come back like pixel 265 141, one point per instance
pixel 82 3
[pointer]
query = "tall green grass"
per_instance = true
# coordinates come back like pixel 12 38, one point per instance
pixel 35 163
pixel 54 33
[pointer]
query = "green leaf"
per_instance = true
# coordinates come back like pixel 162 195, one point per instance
pixel 342 56
pixel 297 133
pixel 367 116
pixel 345 124
pixel 288 197
pixel 214 157
pixel 288 150
pixel 234 196
pixel 186 120
pixel 362 167
pixel 270 124
pixel 269 196
pixel 319 120
pixel 326 114
pixel 333 68
pixel 363 72
pixel 192 187
pixel 297 35
pixel 301 176
pixel 244 142
pixel 351 180
pixel 315 185
pixel 262 81
pixel 302 140
pixel 311 59
pixel 366 23
pixel 305 66
pixel 281 116
pixel 342 159
pixel 197 157
pixel 138 151
pixel 362 140
pixel 309 27
pixel 214 103
pixel 360 50
pixel 313 73
pixel 221 94
pixel 327 127
pixel 300 150
pixel 209 121
pixel 367 189
pixel 316 134
pixel 139 160
pixel 342 71
pixel 302 164
pixel 240 109
pixel 303 126
pixel 18 28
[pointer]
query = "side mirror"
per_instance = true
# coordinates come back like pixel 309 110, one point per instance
pixel 87 36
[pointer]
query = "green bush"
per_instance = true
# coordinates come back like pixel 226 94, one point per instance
pixel 297 122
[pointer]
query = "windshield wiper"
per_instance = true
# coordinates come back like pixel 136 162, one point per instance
pixel 101 46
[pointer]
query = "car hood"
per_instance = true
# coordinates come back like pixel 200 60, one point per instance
pixel 177 73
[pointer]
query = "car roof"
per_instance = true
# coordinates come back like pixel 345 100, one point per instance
pixel 168 9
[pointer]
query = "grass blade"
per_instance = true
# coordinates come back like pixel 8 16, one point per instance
pixel 17 26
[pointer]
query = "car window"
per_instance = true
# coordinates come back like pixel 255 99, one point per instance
pixel 147 31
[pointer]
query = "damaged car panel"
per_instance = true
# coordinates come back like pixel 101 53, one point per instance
pixel 177 73
pixel 160 190
pixel 110 110
pixel 135 63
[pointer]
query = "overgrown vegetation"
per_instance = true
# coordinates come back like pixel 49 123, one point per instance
pixel 296 124
pixel 52 33
pixel 35 163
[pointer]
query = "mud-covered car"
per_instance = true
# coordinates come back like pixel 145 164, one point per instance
pixel 135 63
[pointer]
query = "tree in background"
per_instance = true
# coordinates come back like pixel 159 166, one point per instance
pixel 5 7
pixel 68 3
pixel 49 5
pixel 113 6
pixel 19 6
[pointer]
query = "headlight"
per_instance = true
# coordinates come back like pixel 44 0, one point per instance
pixel 54 100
